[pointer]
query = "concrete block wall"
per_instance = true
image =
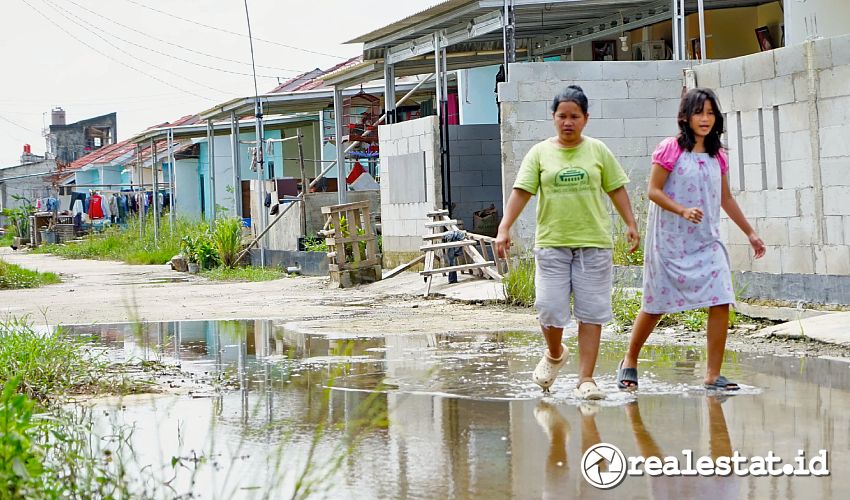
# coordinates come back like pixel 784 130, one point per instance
pixel 633 106
pixel 787 114
pixel 475 170
pixel 403 223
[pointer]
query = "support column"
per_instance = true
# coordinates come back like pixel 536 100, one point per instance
pixel 389 93
pixel 237 168
pixel 340 151
pixel 683 31
pixel 675 25
pixel 172 178
pixel 211 164
pixel 701 14
pixel 155 197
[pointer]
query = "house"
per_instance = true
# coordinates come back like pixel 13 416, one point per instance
pixel 68 142
pixel 33 178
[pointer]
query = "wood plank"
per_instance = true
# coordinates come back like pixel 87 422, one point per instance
pixel 436 213
pixel 399 269
pixel 348 239
pixel 345 206
pixel 477 258
pixel 436 236
pixel 447 222
pixel 462 267
pixel 450 244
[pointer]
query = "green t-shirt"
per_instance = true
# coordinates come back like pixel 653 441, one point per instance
pixel 570 183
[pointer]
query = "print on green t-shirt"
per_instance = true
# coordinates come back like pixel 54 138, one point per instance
pixel 570 184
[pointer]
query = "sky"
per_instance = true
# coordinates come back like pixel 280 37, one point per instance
pixel 153 61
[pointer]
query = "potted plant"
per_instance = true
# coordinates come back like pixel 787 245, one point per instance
pixel 187 249
pixel 19 219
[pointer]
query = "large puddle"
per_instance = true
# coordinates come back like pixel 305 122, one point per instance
pixel 456 416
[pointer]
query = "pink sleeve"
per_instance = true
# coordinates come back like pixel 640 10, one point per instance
pixel 667 153
pixel 723 161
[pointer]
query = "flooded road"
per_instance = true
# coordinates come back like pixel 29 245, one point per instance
pixel 457 416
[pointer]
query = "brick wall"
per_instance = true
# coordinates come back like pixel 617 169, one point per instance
pixel 787 112
pixel 475 169
pixel 633 106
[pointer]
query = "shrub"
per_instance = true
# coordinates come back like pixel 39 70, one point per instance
pixel 519 282
pixel 227 240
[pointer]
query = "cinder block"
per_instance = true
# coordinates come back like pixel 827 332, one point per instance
pixel 794 117
pixel 708 75
pixel 657 89
pixel 753 180
pixel 407 129
pixel 752 204
pixel 790 60
pixel 752 152
pixel 835 171
pixel 750 126
pixel 777 91
pixel 822 53
pixel 802 231
pixel 806 202
pixel 574 70
pixel 834 230
pixel 798 260
pixel 604 128
pixel 801 87
pixel 781 203
pixel 837 259
pixel 533 110
pixel 840 50
pixel 403 146
pixel 602 89
pixel 759 66
pixel 466 148
pixel 525 71
pixel 480 132
pixel 834 141
pixel 740 258
pixel 724 98
pixel 797 174
pixel 594 108
pixel 627 146
pixel 846 220
pixel 833 112
pixel 491 147
pixel 630 70
pixel 468 178
pixel 538 90
pixel 667 108
pixel 508 91
pixel 747 96
pixel 770 138
pixel 628 108
pixel 770 263
pixel 795 146
pixel 820 260
pixel 673 70
pixel 836 200
pixel 414 144
pixel 388 148
pixel 774 231
pixel 536 130
pixel 732 72
pixel 636 127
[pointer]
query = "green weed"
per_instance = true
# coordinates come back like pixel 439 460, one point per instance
pixel 227 240
pixel 244 273
pixel 519 282
pixel 13 277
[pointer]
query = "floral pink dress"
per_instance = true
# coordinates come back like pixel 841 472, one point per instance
pixel 686 265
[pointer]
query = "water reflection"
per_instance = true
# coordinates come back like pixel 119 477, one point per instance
pixel 438 416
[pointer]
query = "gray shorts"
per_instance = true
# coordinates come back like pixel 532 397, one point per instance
pixel 586 273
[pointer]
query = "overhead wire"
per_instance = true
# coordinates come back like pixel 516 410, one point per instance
pixel 113 35
pixel 104 54
pixel 128 54
pixel 192 21
pixel 174 44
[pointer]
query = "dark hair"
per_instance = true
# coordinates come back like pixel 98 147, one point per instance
pixel 573 93
pixel 692 103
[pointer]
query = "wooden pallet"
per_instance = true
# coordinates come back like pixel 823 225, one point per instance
pixel 352 244
pixel 476 249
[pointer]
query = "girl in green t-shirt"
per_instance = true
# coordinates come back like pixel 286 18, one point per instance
pixel 573 255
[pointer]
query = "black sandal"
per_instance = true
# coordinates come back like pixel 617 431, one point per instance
pixel 721 383
pixel 626 375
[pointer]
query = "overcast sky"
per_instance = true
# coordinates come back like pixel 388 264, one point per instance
pixel 93 57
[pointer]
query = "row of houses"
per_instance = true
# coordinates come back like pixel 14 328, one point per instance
pixel 449 140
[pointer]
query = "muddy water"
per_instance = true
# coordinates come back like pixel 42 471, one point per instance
pixel 419 416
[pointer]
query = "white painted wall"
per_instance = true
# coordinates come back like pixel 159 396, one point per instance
pixel 188 188
pixel 476 96
pixel 815 18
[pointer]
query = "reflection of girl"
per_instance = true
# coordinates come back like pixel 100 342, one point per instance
pixel 686 265
pixel 573 243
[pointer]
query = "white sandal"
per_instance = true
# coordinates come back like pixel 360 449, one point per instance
pixel 589 390
pixel 547 369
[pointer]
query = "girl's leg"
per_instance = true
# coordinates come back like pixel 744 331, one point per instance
pixel 588 349
pixel 718 324
pixel 644 325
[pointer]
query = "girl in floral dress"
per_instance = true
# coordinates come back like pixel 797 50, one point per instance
pixel 686 266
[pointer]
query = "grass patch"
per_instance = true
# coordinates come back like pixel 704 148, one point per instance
pixel 519 282
pixel 6 239
pixel 129 245
pixel 244 273
pixel 13 277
